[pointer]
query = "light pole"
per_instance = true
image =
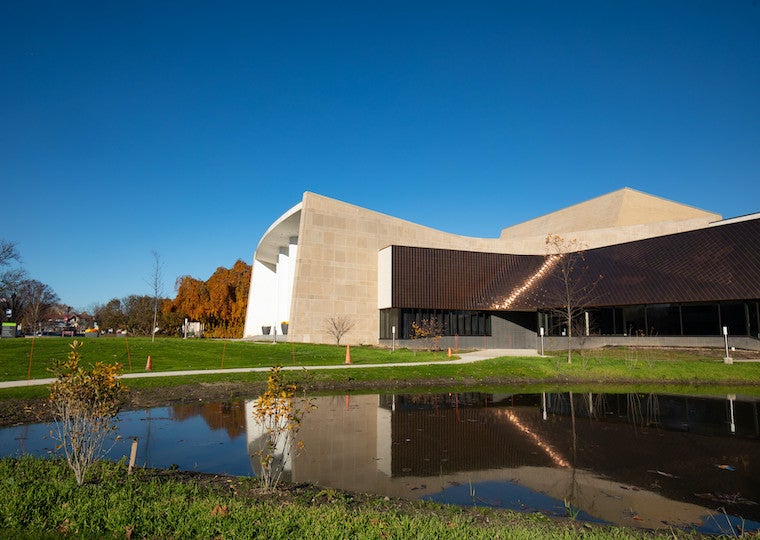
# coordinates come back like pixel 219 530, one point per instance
pixel 726 359
pixel 543 404
pixel 542 340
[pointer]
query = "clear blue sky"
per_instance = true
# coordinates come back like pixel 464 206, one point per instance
pixel 188 127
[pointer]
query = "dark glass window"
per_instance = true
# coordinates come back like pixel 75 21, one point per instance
pixel 607 321
pixel 634 321
pixel 388 319
pixel 462 323
pixel 736 317
pixel 543 322
pixel 700 320
pixel 742 318
pixel 663 320
pixel 602 320
pixel 556 324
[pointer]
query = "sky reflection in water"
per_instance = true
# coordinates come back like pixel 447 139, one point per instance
pixel 635 459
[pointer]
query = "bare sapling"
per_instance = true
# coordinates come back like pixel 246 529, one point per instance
pixel 339 326
pixel 573 286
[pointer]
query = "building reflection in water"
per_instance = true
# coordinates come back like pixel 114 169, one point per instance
pixel 647 460
pixel 638 459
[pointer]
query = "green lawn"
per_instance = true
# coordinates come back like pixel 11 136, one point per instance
pixel 596 369
pixel 168 354
pixel 41 500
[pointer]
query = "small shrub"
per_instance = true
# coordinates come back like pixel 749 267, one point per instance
pixel 278 413
pixel 430 331
pixel 84 405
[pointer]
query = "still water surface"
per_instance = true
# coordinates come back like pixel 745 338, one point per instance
pixel 643 460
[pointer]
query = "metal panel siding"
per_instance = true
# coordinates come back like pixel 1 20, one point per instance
pixel 447 279
pixel 712 264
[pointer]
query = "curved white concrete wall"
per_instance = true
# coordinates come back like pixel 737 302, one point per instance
pixel 271 292
pixel 262 299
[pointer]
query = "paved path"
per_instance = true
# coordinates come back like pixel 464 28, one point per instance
pixel 464 358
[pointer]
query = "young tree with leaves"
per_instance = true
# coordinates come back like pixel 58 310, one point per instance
pixel 84 404
pixel 278 413
pixel 430 331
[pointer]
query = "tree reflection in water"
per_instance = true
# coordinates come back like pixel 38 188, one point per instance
pixel 634 458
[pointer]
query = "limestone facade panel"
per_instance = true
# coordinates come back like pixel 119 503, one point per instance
pixel 334 269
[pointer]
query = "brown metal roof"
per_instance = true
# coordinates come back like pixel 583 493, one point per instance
pixel 717 263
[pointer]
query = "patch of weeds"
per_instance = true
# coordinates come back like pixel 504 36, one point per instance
pixel 571 511
pixel 631 359
pixel 331 496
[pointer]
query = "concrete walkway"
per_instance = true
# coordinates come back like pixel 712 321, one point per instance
pixel 464 358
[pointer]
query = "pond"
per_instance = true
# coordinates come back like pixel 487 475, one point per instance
pixel 635 459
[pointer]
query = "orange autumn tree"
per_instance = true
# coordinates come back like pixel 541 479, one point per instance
pixel 219 303
pixel 228 298
pixel 192 298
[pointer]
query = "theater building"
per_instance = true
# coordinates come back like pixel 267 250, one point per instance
pixel 662 273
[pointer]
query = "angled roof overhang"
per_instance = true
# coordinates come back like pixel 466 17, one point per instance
pixel 278 235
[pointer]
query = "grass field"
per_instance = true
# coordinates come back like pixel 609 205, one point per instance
pixel 168 354
pixel 41 500
pixel 594 369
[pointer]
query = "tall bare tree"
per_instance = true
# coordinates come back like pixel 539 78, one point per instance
pixel 573 287
pixel 157 285
pixel 8 252
pixel 11 280
pixel 39 298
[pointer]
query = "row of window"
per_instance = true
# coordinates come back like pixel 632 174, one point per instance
pixel 741 319
pixel 460 323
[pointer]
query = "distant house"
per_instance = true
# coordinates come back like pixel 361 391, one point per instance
pixel 66 324
pixel 193 329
